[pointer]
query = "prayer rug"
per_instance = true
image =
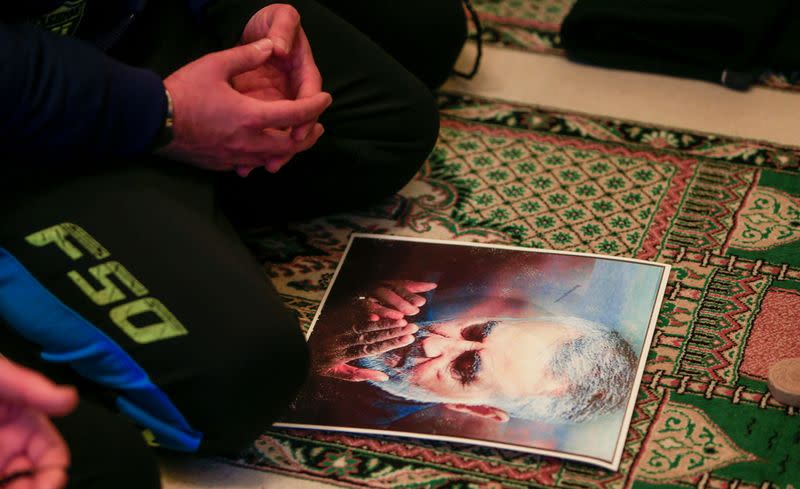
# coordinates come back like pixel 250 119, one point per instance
pixel 724 212
pixel 534 25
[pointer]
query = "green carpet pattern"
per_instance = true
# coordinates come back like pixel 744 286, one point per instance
pixel 724 212
pixel 534 25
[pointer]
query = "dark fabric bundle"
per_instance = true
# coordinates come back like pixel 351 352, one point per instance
pixel 725 41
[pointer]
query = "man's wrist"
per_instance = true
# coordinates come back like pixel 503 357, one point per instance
pixel 165 132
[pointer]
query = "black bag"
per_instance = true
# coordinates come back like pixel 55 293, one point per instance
pixel 725 41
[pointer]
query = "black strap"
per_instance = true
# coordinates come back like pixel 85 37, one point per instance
pixel 478 39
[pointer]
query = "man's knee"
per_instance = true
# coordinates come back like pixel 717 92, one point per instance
pixel 245 386
pixel 446 23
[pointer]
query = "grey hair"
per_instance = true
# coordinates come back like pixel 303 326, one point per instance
pixel 599 367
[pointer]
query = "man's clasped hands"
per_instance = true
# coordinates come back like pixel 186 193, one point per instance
pixel 253 105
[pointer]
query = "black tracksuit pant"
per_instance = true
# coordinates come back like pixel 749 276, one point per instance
pixel 165 233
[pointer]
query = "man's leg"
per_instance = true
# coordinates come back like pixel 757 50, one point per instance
pixel 139 255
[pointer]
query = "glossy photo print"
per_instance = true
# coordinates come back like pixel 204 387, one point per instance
pixel 530 350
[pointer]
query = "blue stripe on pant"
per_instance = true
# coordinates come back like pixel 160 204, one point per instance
pixel 66 337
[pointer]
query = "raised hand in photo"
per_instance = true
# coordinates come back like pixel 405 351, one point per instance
pixel 369 325
pixel 357 338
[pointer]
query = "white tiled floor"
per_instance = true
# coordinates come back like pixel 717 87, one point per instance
pixel 554 82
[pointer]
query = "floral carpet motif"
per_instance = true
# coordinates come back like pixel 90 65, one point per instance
pixel 515 174
pixel 534 25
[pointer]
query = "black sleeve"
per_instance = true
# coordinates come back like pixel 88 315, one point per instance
pixel 63 98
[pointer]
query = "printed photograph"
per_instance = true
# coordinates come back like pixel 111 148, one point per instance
pixel 516 348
